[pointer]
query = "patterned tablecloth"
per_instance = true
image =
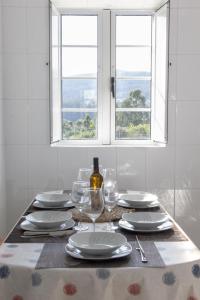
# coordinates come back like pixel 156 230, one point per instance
pixel 177 279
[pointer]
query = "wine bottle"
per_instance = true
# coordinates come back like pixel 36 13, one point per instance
pixel 96 179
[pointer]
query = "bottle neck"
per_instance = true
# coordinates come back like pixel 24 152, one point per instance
pixel 96 165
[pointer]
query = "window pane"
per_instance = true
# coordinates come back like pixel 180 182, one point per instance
pixel 132 125
pixel 133 93
pixel 133 30
pixel 79 125
pixel 133 61
pixel 79 62
pixel 79 30
pixel 79 93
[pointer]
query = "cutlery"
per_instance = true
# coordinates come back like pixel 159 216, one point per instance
pixel 141 250
pixel 28 234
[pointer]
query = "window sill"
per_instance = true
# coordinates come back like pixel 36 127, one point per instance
pixel 135 144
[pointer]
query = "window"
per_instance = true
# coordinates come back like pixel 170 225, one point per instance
pixel 109 76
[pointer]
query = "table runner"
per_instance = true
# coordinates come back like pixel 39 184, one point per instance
pixel 54 256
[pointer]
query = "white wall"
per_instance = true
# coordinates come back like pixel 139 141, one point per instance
pixel 32 165
pixel 2 158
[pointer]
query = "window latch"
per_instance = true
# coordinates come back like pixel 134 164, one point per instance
pixel 113 86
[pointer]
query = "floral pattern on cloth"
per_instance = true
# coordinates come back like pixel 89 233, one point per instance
pixel 103 274
pixel 134 289
pixel 17 297
pixel 69 289
pixel 4 272
pixel 169 278
pixel 36 279
pixel 196 270
pixel 11 246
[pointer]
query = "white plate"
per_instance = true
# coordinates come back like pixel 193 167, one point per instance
pixel 125 250
pixel 165 226
pixel 41 205
pixel 125 204
pixel 97 243
pixel 145 219
pixel 26 225
pixel 138 198
pixel 48 218
pixel 50 199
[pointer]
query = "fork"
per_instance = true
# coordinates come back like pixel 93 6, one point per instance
pixel 141 250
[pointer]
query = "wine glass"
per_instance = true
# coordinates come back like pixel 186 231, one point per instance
pixel 109 175
pixel 84 174
pixel 78 189
pixel 93 203
pixel 110 197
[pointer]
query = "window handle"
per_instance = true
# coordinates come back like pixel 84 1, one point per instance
pixel 113 86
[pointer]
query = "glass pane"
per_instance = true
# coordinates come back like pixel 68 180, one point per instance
pixel 133 61
pixel 79 62
pixel 79 30
pixel 133 125
pixel 138 26
pixel 79 93
pixel 133 93
pixel 79 125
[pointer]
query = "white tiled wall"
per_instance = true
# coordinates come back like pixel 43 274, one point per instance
pixel 32 166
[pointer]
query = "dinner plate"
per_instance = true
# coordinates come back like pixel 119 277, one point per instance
pixel 163 227
pixel 125 204
pixel 39 204
pixel 52 199
pixel 26 225
pixel 138 198
pixel 48 218
pixel 145 219
pixel 97 243
pixel 124 250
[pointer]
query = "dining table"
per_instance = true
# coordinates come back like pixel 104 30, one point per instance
pixel 39 268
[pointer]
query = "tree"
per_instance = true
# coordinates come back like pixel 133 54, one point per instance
pixel 135 99
pixel 128 123
pixel 87 121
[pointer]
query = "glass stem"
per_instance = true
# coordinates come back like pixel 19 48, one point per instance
pixel 93 225
pixel 110 223
pixel 109 210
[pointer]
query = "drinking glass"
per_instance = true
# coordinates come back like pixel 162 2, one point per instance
pixel 110 198
pixel 84 174
pixel 93 204
pixel 78 189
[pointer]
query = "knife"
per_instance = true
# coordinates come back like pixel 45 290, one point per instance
pixel 51 233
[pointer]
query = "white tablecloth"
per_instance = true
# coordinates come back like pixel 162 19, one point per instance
pixel 179 280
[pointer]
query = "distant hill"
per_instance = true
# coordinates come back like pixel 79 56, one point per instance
pixel 82 92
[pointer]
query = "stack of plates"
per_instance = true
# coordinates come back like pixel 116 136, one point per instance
pixel 52 200
pixel 98 245
pixel 48 221
pixel 137 199
pixel 145 221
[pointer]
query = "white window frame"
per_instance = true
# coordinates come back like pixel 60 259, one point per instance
pixel 115 141
pixel 105 70
pixel 99 109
